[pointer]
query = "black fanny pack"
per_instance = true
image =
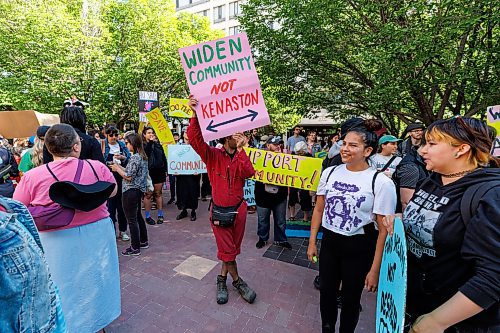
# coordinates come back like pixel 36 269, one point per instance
pixel 224 216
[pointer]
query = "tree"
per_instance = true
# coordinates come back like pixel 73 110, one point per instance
pixel 103 51
pixel 398 60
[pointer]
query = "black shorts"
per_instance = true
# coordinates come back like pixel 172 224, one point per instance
pixel 158 176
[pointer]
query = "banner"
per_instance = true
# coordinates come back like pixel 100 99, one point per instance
pixel 148 100
pixel 179 108
pixel 493 120
pixel 160 125
pixel 285 169
pixel 23 124
pixel 222 76
pixel 391 296
pixel 183 160
pixel 249 192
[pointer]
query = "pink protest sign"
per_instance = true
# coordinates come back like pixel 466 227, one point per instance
pixel 222 76
pixel 493 119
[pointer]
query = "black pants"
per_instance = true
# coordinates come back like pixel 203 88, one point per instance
pixel 171 182
pixel 132 207
pixel 206 188
pixel 115 207
pixel 346 260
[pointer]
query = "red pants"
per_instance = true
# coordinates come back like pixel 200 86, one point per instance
pixel 229 239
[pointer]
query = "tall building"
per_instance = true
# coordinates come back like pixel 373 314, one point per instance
pixel 223 14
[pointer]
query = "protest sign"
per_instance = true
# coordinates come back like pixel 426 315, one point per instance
pixel 183 160
pixel 222 76
pixel 391 296
pixel 285 169
pixel 179 108
pixel 493 120
pixel 23 124
pixel 148 100
pixel 160 125
pixel 249 192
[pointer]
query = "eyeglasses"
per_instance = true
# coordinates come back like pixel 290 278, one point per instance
pixel 417 130
pixel 113 134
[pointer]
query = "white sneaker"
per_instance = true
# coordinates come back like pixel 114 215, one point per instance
pixel 124 236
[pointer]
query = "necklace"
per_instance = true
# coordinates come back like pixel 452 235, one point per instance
pixel 458 174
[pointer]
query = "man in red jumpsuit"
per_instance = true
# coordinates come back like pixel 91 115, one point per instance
pixel 227 167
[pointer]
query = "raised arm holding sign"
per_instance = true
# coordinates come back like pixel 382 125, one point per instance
pixel 222 76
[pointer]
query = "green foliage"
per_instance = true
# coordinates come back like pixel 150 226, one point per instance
pixel 398 60
pixel 102 51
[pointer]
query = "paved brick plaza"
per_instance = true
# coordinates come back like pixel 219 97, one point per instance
pixel 156 298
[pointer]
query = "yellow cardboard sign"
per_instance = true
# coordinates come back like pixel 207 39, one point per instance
pixel 179 108
pixel 493 120
pixel 141 126
pixel 285 169
pixel 160 125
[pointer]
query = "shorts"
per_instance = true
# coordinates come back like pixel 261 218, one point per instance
pixel 229 239
pixel 158 176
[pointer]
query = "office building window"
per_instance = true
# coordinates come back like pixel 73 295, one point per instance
pixel 186 3
pixel 203 12
pixel 234 9
pixel 234 30
pixel 219 13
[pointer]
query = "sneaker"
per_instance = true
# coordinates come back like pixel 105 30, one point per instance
pixel 245 291
pixel 260 244
pixel 222 295
pixel 171 201
pixel 131 252
pixel 124 236
pixel 203 198
pixel 159 220
pixel 286 245
pixel 182 215
pixel 193 215
pixel 145 245
pixel 150 221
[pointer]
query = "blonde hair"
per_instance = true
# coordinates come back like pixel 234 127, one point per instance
pixel 36 153
pixel 469 131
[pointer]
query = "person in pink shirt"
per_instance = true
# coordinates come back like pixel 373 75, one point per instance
pixel 90 292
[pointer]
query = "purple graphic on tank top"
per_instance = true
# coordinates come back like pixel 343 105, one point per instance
pixel 341 208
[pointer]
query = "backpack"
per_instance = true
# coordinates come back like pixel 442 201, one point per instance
pixel 4 162
pixel 470 200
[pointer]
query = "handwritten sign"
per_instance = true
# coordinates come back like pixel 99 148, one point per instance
pixel 179 108
pixel 285 169
pixel 222 76
pixel 148 100
pixel 249 192
pixel 493 120
pixel 160 125
pixel 183 160
pixel 391 296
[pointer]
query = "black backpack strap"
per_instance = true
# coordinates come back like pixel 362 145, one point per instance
pixel 47 166
pixel 331 171
pixel 93 170
pixel 470 200
pixel 388 164
pixel 373 181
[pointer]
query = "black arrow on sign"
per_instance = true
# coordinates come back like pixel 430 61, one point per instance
pixel 213 128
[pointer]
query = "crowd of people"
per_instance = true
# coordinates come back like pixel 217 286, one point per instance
pixel 77 193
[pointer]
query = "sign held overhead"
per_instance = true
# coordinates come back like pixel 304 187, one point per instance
pixel 222 76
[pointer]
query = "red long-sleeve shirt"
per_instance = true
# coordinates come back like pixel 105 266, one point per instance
pixel 227 176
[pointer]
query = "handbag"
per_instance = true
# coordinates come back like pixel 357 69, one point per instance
pixel 224 216
pixel 54 216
